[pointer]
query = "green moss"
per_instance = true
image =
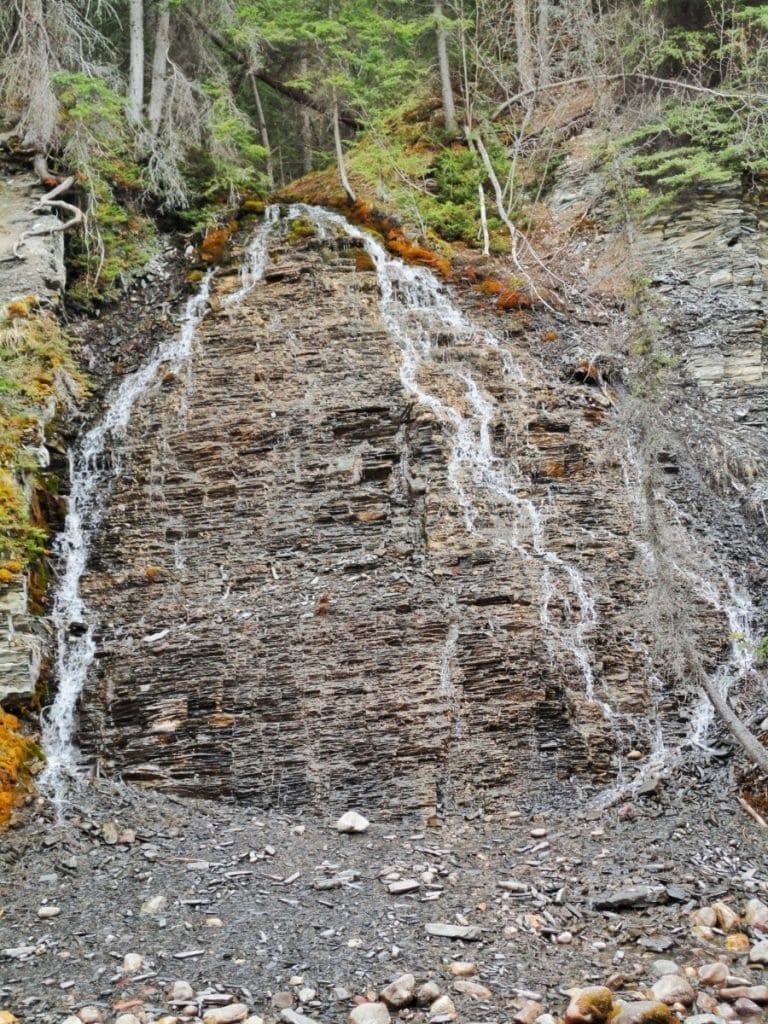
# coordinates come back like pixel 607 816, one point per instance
pixel 300 228
pixel 35 358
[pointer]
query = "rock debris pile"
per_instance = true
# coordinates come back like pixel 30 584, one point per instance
pixel 152 910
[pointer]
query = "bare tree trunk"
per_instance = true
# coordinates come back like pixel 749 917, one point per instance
pixel 38 123
pixel 449 107
pixel 264 132
pixel 159 67
pixel 305 128
pixel 484 221
pixel 749 743
pixel 524 46
pixel 135 99
pixel 542 42
pixel 340 152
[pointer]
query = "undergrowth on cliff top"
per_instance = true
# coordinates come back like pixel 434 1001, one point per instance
pixel 36 371
pixel 711 127
pixel 120 183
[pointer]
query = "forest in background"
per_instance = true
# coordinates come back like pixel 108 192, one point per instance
pixel 180 108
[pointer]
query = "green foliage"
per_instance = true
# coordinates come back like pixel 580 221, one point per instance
pixel 703 142
pixel 100 149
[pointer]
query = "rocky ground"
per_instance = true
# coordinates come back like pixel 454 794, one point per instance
pixel 147 908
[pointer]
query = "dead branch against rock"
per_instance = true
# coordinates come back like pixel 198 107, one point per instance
pixel 624 76
pixel 50 202
pixel 756 752
pixel 513 231
pixel 752 812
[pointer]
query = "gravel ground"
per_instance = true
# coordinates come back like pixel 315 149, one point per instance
pixel 264 908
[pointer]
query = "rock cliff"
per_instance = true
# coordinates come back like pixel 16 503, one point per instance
pixel 24 637
pixel 310 588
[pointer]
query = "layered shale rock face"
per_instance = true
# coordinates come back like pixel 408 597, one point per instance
pixel 24 637
pixel 313 589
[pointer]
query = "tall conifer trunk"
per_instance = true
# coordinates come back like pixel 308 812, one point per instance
pixel 446 89
pixel 135 99
pixel 159 67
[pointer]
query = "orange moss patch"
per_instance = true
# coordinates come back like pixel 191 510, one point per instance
pixel 212 247
pixel 363 262
pixel 514 300
pixel 16 752
pixel 490 286
pixel 20 309
pixel 408 251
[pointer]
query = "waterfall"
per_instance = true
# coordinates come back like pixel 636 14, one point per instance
pixel 416 308
pixel 92 462
pixel 418 314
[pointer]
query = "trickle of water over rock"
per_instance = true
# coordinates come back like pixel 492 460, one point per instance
pixel 91 464
pixel 369 552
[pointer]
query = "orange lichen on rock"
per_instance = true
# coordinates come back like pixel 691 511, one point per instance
pixel 16 752
pixel 212 247
pixel 20 309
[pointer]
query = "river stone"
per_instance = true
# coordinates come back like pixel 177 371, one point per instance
pixel 90 1014
pixel 294 1017
pixel 673 988
pixel 747 1008
pixel 632 896
pixel 472 989
pixel 443 1008
pixel 225 1014
pixel 400 992
pixel 427 993
pixel 591 1005
pixel 181 992
pixel 132 963
pixel 758 954
pixel 462 968
pixel 756 915
pixel 352 822
pixel 662 967
pixel 727 918
pixel 453 931
pixel 643 1011
pixel 369 1013
pixel 713 974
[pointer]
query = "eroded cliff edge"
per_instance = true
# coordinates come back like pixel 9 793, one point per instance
pixel 293 608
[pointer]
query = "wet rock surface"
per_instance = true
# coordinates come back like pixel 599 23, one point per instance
pixel 204 911
pixel 299 605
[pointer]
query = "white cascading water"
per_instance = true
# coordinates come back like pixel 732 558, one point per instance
pixel 89 482
pixel 416 308
pixel 721 593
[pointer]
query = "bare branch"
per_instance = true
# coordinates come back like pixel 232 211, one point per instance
pixel 623 76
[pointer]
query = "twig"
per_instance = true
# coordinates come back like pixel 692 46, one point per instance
pixel 752 812
pixel 623 76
